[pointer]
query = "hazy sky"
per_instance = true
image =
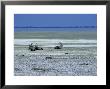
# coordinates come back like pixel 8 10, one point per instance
pixel 55 20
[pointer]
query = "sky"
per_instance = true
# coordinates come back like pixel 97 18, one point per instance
pixel 54 20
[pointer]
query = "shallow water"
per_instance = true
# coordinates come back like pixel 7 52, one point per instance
pixel 56 35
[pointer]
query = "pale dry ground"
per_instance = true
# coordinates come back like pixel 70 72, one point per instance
pixel 59 62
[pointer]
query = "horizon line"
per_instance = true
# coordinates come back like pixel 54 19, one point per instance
pixel 56 27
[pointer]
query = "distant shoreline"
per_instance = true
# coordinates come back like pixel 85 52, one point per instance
pixel 57 27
